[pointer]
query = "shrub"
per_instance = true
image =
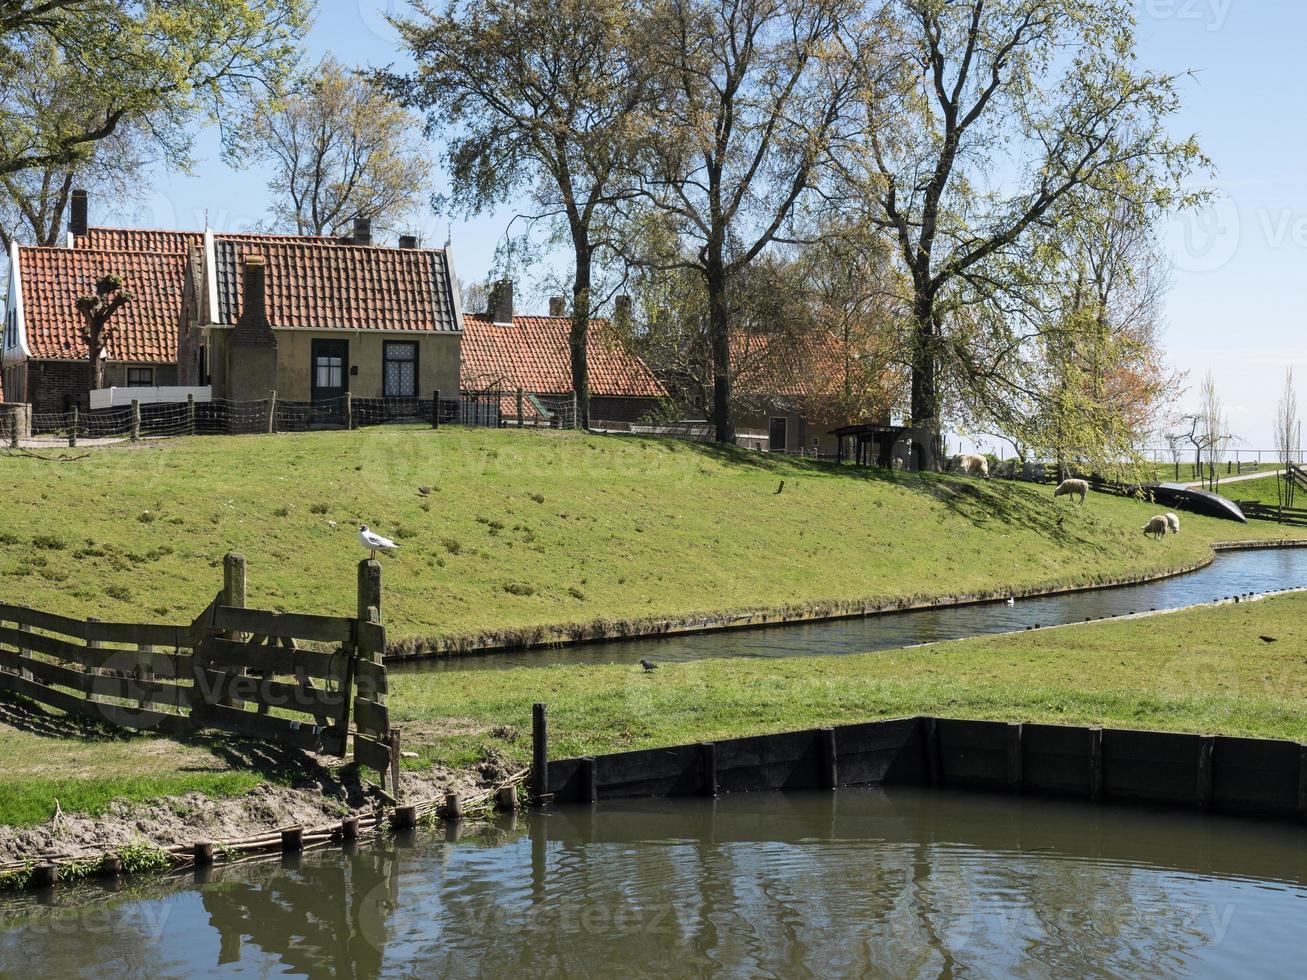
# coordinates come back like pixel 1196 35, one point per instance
pixel 50 542
pixel 539 498
pixel 516 588
pixel 451 545
pixel 119 592
pixel 319 508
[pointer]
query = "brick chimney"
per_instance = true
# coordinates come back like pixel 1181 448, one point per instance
pixel 253 328
pixel 77 213
pixel 362 231
pixel 557 306
pixel 501 302
pixel 408 241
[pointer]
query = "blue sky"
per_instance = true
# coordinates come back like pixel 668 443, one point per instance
pixel 1239 289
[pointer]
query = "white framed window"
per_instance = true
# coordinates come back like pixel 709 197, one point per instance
pixel 399 375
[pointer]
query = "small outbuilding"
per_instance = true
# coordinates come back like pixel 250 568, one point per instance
pixel 887 446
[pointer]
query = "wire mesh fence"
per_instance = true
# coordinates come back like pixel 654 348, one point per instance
pixel 223 417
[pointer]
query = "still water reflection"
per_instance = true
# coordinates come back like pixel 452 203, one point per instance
pixel 1232 573
pixel 904 882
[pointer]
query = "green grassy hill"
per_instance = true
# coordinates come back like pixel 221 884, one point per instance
pixel 523 531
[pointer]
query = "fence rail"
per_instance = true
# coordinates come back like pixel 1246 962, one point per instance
pixel 233 669
pixel 1257 510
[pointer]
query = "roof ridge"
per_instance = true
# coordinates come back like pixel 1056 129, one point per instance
pixel 63 249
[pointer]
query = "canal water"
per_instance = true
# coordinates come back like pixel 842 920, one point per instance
pixel 861 882
pixel 1231 573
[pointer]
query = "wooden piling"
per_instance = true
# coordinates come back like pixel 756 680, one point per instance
pixel 292 839
pixel 1203 789
pixel 707 769
pixel 453 809
pixel 369 593
pixel 1015 756
pixel 506 798
pixel 349 829
pixel 1095 764
pixel 395 755
pixel 540 751
pixel 45 875
pixel 404 817
pixel 589 779
pixel 202 852
pixel 111 866
pixel 829 772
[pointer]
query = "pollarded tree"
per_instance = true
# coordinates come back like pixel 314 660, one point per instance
pixel 341 148
pixel 110 296
pixel 544 96
pixel 1004 116
pixel 756 93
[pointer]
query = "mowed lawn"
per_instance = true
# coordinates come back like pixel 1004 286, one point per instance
pixel 519 533
pixel 1201 670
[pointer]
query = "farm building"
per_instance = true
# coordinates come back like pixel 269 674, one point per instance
pixel 503 353
pixel 309 317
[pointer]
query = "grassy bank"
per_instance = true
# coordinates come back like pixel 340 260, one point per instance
pixel 1203 670
pixel 522 533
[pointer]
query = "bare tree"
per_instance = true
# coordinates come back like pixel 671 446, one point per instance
pixel 758 91
pixel 110 296
pixel 545 96
pixel 1286 434
pixel 341 148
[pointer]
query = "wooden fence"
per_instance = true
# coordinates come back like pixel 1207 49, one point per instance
pixel 286 678
pixel 1257 510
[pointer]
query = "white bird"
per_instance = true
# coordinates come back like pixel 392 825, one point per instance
pixel 1011 601
pixel 374 542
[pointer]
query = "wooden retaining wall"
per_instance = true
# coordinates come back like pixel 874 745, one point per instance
pixel 1261 777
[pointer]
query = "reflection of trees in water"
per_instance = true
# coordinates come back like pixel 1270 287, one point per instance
pixel 321 918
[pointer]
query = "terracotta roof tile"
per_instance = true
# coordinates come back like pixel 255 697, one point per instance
pixel 534 354
pixel 162 240
pixel 319 284
pixel 144 330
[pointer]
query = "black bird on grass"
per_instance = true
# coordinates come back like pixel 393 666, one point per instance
pixel 1267 639
pixel 648 665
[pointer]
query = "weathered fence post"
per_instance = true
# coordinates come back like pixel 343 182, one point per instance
pixel 540 751
pixel 144 669
pixel 93 669
pixel 190 413
pixel 72 426
pixel 233 594
pixel 13 430
pixel 136 420
pixel 369 592
pixel 272 410
pixel 349 410
pixel 435 409
pixel 395 755
pixel 520 420
pixel 24 628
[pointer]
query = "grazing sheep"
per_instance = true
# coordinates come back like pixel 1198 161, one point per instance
pixel 972 464
pixel 1069 488
pixel 1173 522
pixel 1157 527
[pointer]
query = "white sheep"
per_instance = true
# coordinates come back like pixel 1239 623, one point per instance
pixel 972 464
pixel 1070 488
pixel 1157 527
pixel 1173 522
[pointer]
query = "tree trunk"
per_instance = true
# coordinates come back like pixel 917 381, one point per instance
pixel 95 363
pixel 719 328
pixel 925 396
pixel 580 334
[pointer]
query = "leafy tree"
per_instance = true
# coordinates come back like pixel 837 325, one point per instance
pixel 110 296
pixel 158 63
pixel 1000 119
pixel 545 96
pixel 341 148
pixel 756 93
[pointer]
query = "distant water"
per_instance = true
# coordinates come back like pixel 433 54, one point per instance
pixel 1232 573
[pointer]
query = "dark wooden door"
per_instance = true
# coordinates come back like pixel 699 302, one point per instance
pixel 329 379
pixel 776 436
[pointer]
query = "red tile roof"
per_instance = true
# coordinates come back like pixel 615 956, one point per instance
pixel 145 330
pixel 161 240
pixel 321 285
pixel 533 354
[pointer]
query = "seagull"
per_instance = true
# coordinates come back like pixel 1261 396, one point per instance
pixel 374 542
pixel 648 665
